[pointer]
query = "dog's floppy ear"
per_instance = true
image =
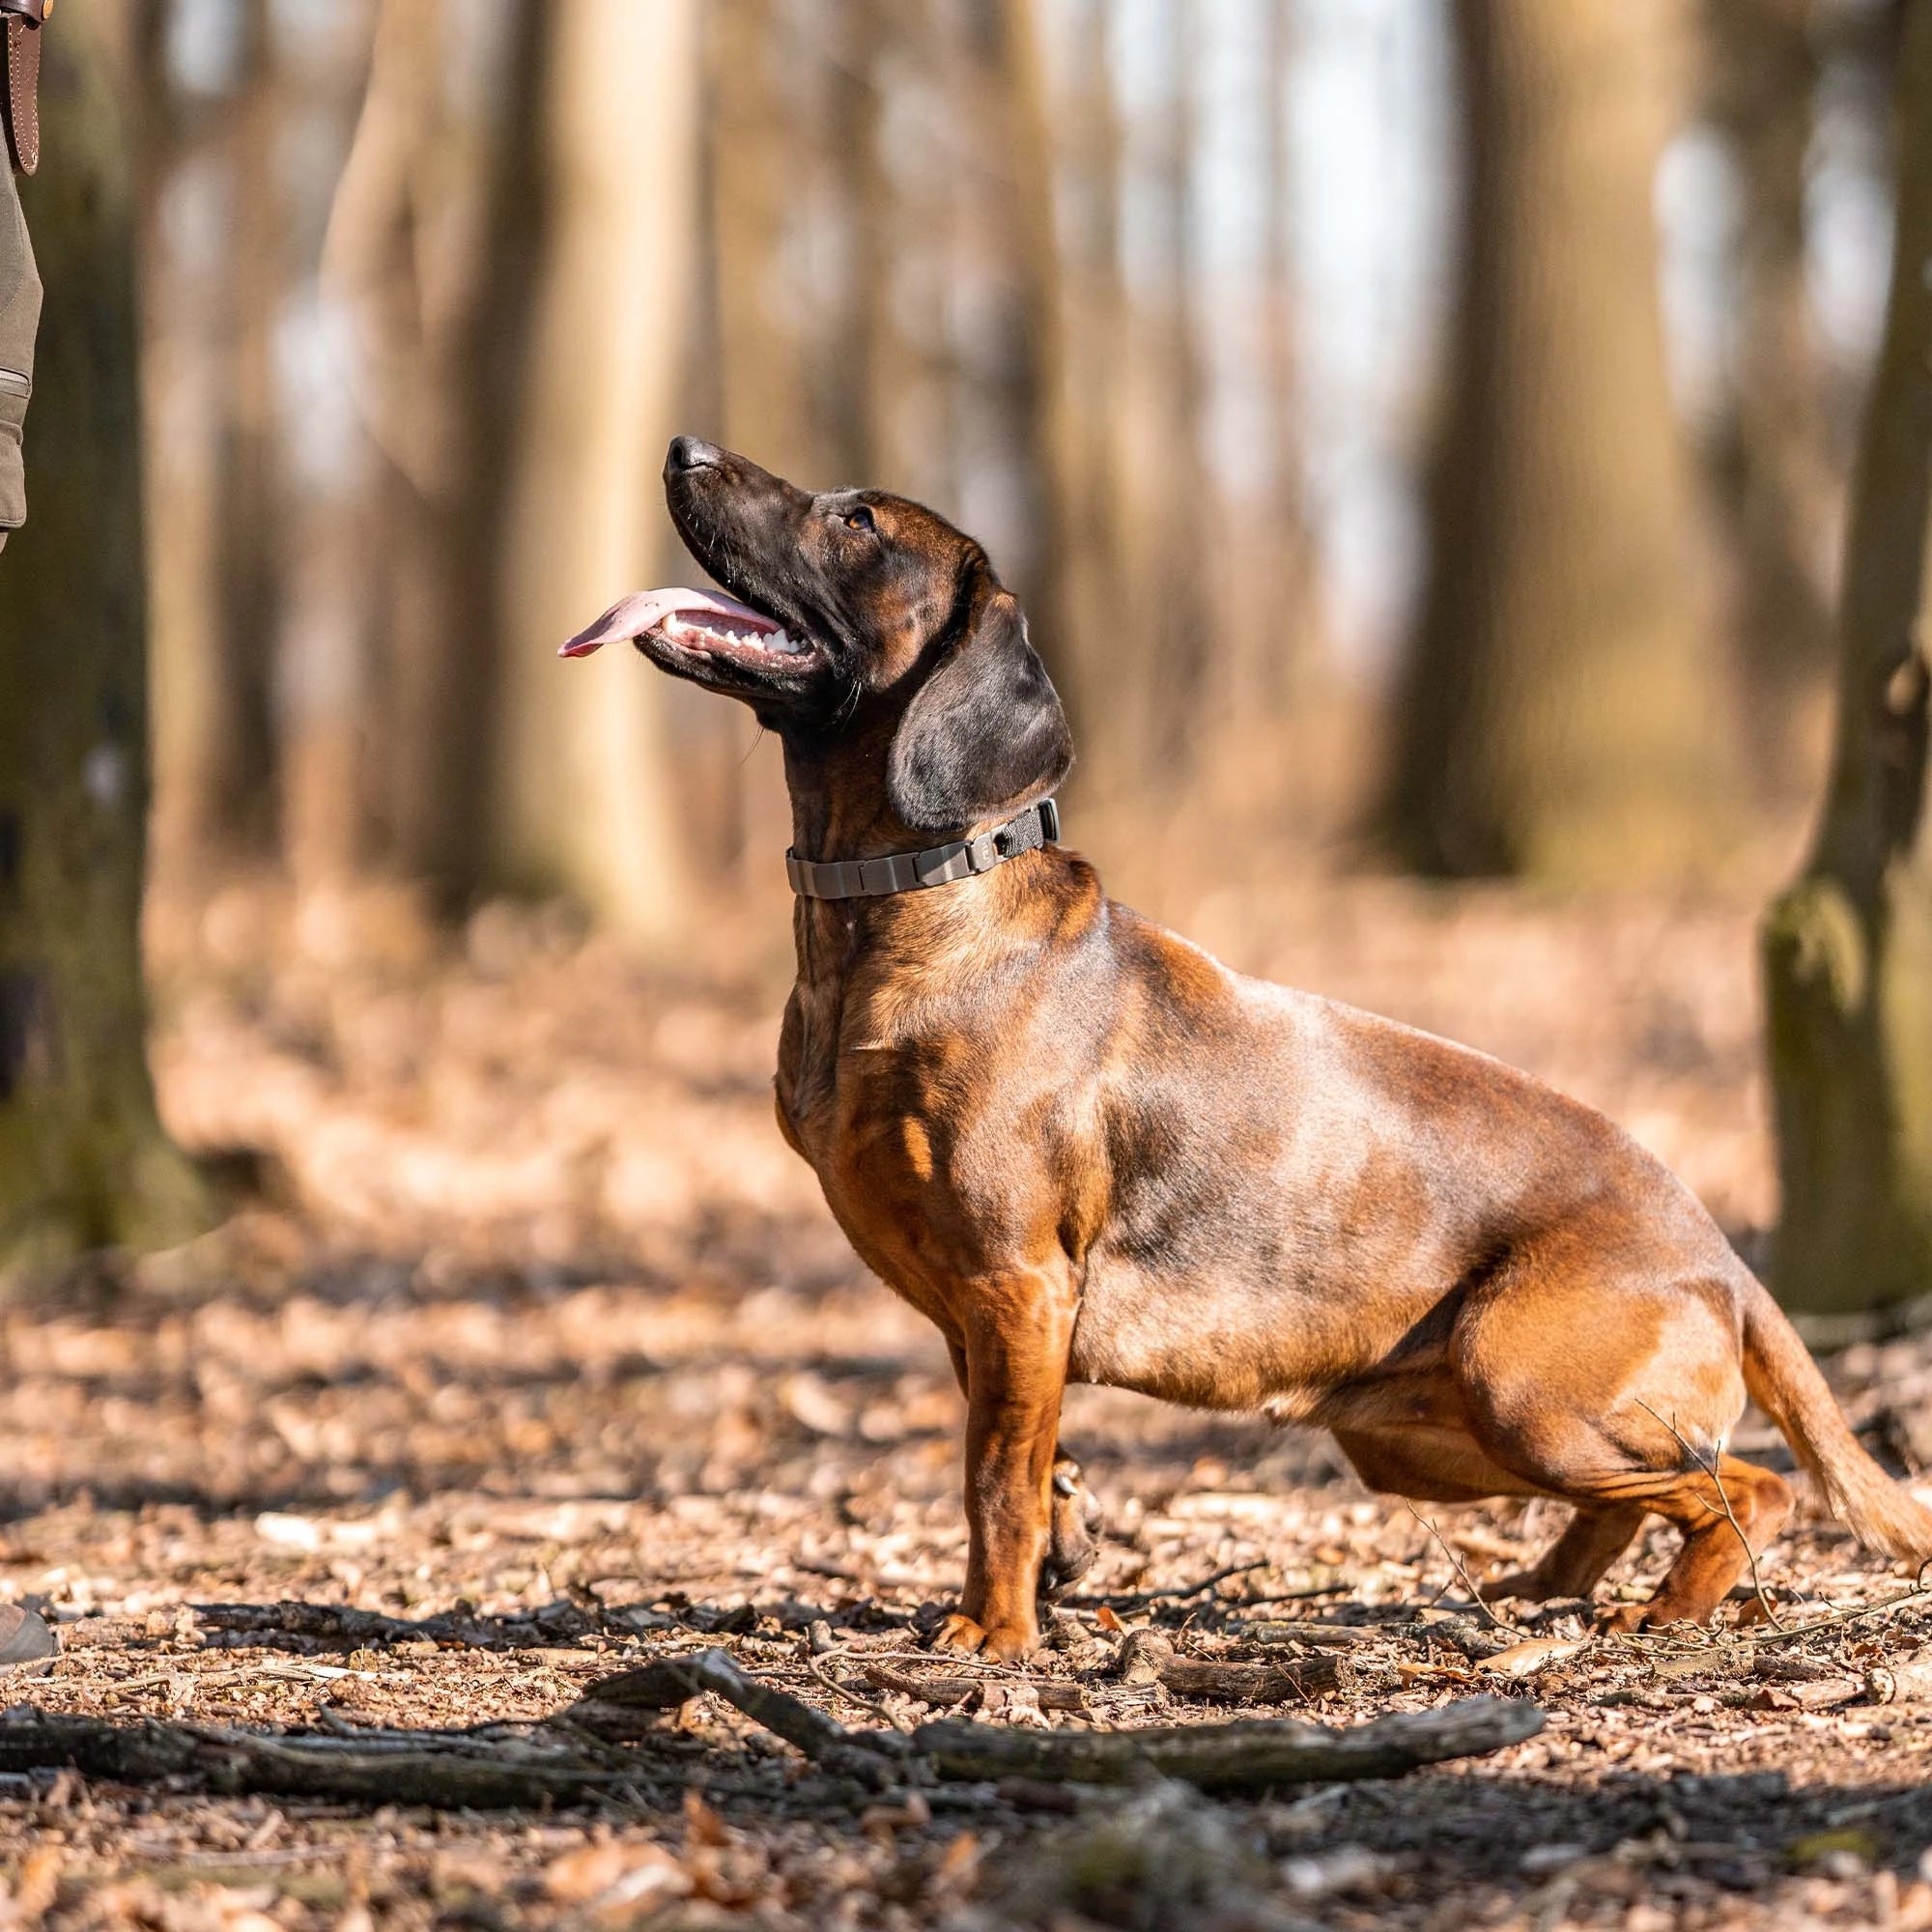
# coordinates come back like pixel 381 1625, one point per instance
pixel 985 735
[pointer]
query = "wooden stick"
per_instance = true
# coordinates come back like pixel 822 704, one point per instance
pixel 1294 1681
pixel 1232 1757
pixel 454 1777
pixel 609 1704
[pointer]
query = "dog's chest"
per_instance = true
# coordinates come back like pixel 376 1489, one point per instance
pixel 918 1176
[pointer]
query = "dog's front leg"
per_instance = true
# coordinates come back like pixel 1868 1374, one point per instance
pixel 1018 1328
pixel 1073 1520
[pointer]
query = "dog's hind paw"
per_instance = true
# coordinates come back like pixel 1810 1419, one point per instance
pixel 1073 1530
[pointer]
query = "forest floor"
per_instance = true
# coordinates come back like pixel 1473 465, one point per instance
pixel 534 1339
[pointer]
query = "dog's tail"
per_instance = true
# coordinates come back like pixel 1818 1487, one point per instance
pixel 1786 1383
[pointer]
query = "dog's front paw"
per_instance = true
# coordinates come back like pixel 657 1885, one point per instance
pixel 1004 1643
pixel 1073 1534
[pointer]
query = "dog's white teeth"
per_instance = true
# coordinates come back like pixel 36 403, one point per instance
pixel 675 626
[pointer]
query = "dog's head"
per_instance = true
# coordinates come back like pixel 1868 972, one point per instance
pixel 854 616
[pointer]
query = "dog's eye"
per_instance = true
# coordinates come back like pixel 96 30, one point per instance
pixel 860 518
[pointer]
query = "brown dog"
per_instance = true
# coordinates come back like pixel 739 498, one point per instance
pixel 1091 1153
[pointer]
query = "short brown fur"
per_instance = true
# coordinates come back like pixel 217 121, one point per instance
pixel 1089 1153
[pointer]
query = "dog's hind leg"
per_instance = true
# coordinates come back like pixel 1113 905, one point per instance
pixel 1574 1565
pixel 1618 1396
pixel 1727 1513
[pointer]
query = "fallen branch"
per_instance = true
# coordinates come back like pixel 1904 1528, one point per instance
pixel 448 1775
pixel 1232 1757
pixel 609 1708
pixel 1906 1681
pixel 1285 1683
pixel 453 1770
pixel 339 1627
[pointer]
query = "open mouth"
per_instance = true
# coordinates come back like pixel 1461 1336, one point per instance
pixel 701 621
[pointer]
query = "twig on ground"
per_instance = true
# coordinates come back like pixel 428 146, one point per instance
pixel 1136 1600
pixel 820 1668
pixel 1786 1633
pixel 1308 1595
pixel 672 1681
pixel 1457 1564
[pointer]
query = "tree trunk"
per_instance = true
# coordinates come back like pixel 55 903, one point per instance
pixel 241 811
pixel 1099 607
pixel 432 247
pixel 581 800
pixel 1772 458
pixel 1848 949
pixel 1556 712
pixel 1184 503
pixel 1009 414
pixel 84 1162
pixel 857 361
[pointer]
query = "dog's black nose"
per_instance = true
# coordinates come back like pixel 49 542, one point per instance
pixel 687 452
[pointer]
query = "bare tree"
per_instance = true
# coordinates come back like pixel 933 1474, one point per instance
pixel 1087 161
pixel 1556 713
pixel 433 247
pixel 1848 949
pixel 581 800
pixel 1774 454
pixel 84 1162
pixel 240 806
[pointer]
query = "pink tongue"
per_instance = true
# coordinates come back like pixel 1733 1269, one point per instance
pixel 645 610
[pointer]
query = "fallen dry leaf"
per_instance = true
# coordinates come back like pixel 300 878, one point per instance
pixel 1534 1654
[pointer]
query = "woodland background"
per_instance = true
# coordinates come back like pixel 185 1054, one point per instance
pixel 1422 436
pixel 1468 466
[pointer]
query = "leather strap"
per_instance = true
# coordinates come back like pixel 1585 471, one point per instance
pixel 936 865
pixel 21 101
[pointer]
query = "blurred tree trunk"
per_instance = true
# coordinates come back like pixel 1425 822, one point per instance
pixel 581 801
pixel 1261 736
pixel 1151 677
pixel 84 1162
pixel 752 134
pixel 1096 594
pixel 1772 458
pixel 1556 711
pixel 1848 949
pixel 432 247
pixel 753 374
pixel 1267 675
pixel 1185 504
pixel 855 366
pixel 239 808
pixel 1011 411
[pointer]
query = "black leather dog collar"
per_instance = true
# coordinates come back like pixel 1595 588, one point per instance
pixel 937 866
